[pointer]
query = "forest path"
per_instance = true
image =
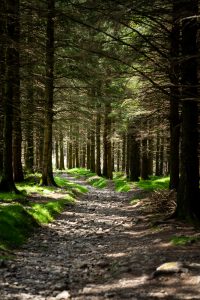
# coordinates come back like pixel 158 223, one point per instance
pixel 102 248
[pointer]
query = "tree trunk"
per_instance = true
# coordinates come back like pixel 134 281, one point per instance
pixel 134 154
pixel 7 182
pixel 84 150
pixel 70 155
pixel 124 152
pixel 188 203
pixel 150 155
pixel 107 145
pixel 39 148
pixel 2 77
pixel 113 156
pixel 127 147
pixel 174 99
pixel 62 163
pixel 30 105
pixel 17 132
pixel 157 170
pixel 92 152
pixel 118 155
pixel 47 172
pixel 56 154
pixel 161 155
pixel 98 143
pixel 144 159
pixel 88 150
pixel 77 150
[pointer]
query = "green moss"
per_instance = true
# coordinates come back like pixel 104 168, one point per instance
pixel 122 185
pixel 70 185
pixel 184 240
pixel 45 213
pixel 18 220
pixel 92 178
pixel 97 181
pixel 81 172
pixel 154 183
pixel 9 197
pixel 15 225
pixel 121 182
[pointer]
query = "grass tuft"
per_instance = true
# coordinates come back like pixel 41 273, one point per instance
pixel 97 181
pixel 19 216
pixel 154 183
pixel 15 224
pixel 81 172
pixel 70 185
pixel 184 240
pixel 121 182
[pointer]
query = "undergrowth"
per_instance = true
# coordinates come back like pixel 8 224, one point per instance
pixel 184 240
pixel 21 214
pixel 91 178
pixel 154 183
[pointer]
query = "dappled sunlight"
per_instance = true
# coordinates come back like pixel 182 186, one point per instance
pixel 100 248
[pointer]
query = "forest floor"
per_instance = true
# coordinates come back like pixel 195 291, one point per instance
pixel 103 248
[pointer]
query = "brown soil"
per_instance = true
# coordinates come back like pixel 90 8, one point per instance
pixel 103 248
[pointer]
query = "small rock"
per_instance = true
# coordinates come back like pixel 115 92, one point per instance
pixel 63 296
pixel 169 268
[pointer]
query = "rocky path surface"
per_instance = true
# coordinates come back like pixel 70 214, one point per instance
pixel 102 248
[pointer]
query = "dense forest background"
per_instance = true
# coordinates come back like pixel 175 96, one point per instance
pixel 103 85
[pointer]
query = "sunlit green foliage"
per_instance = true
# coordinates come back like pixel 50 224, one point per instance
pixel 81 172
pixel 154 183
pixel 70 185
pixel 9 197
pixel 19 218
pixel 45 213
pixel 97 181
pixel 15 224
pixel 184 240
pixel 121 183
pixel 93 179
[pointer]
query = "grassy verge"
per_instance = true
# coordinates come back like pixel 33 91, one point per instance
pixel 97 181
pixel 78 172
pixel 71 186
pixel 184 240
pixel 154 183
pixel 21 214
pixel 121 182
pixel 91 178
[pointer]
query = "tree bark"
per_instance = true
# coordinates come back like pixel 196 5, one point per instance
pixel 107 145
pixel 7 182
pixel 174 98
pixel 2 77
pixel 47 171
pixel 62 163
pixel 134 154
pixel 88 149
pixel 17 131
pixel 92 152
pixel 158 142
pixel 77 154
pixel 144 159
pixel 188 203
pixel 56 154
pixel 98 143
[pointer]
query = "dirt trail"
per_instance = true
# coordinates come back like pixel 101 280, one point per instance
pixel 102 248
